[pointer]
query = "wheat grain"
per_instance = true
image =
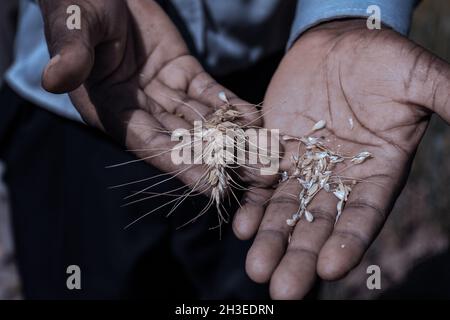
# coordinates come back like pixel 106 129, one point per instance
pixel 313 170
pixel 319 125
pixel 361 157
pixel 350 123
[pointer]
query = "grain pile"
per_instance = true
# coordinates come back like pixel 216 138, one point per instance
pixel 314 171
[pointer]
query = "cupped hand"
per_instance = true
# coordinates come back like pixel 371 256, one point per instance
pixel 130 74
pixel 376 90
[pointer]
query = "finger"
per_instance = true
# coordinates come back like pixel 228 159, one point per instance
pixel 194 94
pixel 248 217
pixel 72 51
pixel 156 148
pixel 296 273
pixel 201 87
pixel 271 239
pixel 208 91
pixel 170 122
pixel 139 131
pixel 177 102
pixel 363 216
pixel 264 151
pixel 160 40
pixel 439 101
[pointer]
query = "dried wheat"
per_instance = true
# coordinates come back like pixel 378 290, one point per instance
pixel 313 170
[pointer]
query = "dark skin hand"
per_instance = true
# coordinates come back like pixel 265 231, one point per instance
pixel 130 74
pixel 390 87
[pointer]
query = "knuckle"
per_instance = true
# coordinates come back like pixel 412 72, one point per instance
pixel 367 206
pixel 272 233
pixel 284 200
pixel 256 198
pixel 323 214
pixel 303 251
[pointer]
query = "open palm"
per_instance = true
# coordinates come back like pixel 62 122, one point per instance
pixel 376 90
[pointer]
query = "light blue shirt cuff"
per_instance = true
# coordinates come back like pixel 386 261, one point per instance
pixel 394 13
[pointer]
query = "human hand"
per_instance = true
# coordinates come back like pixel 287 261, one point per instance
pixel 129 73
pixel 338 71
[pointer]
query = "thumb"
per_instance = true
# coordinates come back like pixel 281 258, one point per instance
pixel 72 49
pixel 440 99
pixel 431 84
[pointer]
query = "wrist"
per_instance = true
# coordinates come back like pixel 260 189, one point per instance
pixel 340 25
pixel 335 28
